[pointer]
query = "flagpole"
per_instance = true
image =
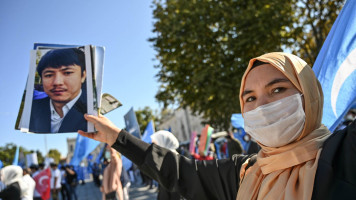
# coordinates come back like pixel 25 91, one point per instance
pixel 45 140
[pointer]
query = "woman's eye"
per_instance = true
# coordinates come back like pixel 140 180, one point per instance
pixel 249 99
pixel 278 90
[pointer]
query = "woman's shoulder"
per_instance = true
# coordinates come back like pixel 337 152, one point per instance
pixel 338 138
pixel 336 175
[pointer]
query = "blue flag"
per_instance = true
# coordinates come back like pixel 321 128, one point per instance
pixel 83 147
pixel 131 123
pixel 150 129
pixel 335 67
pixel 16 157
pixel 237 121
pixel 126 163
pixel 100 155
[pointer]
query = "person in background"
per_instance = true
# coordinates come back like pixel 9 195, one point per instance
pixel 35 171
pixel 64 186
pixel 11 176
pixel 41 167
pixel 72 181
pixel 2 185
pixel 167 140
pixel 96 172
pixel 55 181
pixel 233 145
pixel 126 183
pixel 252 146
pixel 111 187
pixel 81 174
pixel 31 184
pixel 104 165
pixel 348 119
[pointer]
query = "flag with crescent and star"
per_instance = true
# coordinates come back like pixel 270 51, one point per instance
pixel 42 180
pixel 335 67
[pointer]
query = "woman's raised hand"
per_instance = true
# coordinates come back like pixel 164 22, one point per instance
pixel 106 131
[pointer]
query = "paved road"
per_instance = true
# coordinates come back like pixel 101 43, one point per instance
pixel 89 191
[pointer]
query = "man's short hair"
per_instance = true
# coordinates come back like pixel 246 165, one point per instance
pixel 34 166
pixel 61 57
pixel 53 165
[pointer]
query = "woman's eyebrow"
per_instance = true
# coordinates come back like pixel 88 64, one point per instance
pixel 277 80
pixel 246 92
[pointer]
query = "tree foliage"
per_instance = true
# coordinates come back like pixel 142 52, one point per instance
pixel 203 47
pixel 55 154
pixel 313 21
pixel 7 154
pixel 144 116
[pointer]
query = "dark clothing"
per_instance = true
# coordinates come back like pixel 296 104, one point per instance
pixel 71 183
pixel 219 179
pixel 40 121
pixel 233 147
pixel 124 177
pixel 11 192
pixel 336 174
pixel 64 191
pixel 163 194
pixel 253 148
pixel 215 179
pixel 111 196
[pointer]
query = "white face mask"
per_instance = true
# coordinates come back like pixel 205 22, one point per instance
pixel 278 123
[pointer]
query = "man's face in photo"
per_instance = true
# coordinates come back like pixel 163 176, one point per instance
pixel 63 84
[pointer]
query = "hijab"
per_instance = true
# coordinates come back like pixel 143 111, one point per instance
pixel 288 172
pixel 11 174
pixel 165 139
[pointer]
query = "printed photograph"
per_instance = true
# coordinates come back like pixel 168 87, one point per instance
pixel 59 79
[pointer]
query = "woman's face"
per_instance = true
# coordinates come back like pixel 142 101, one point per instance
pixel 265 84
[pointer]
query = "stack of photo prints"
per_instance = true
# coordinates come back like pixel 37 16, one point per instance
pixel 64 83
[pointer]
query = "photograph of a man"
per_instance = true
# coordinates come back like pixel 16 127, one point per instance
pixel 59 101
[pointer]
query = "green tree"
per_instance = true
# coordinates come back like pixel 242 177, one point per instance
pixel 203 47
pixel 7 153
pixel 144 116
pixel 40 157
pixel 313 20
pixel 55 154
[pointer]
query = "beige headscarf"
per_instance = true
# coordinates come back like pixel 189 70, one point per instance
pixel 288 172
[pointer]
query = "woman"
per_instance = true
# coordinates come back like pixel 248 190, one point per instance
pixel 11 176
pixel 167 140
pixel 281 101
pixel 111 185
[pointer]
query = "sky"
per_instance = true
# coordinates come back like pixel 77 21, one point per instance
pixel 122 27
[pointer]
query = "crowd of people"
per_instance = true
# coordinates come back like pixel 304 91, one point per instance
pixel 18 183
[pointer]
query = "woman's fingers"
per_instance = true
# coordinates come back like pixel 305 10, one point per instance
pixel 86 134
pixel 91 118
